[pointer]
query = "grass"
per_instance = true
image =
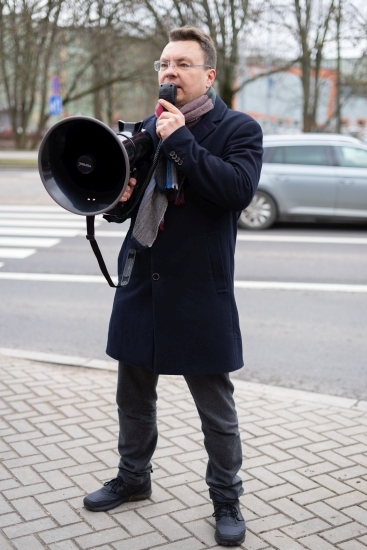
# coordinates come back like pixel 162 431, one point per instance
pixel 32 163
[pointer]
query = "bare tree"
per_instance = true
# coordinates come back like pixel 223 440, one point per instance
pixel 309 24
pixel 86 42
pixel 225 21
pixel 27 38
pixel 350 22
pixel 97 55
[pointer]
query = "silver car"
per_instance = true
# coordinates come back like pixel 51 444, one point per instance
pixel 309 176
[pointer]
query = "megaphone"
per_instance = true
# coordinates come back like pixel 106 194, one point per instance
pixel 85 166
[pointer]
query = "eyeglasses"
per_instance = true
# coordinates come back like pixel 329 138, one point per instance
pixel 182 66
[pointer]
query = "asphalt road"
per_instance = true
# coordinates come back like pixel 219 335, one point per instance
pixel 311 338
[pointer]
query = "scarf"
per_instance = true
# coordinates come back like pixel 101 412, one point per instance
pixel 166 184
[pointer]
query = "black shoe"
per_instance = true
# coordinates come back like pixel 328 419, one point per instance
pixel 115 492
pixel 230 527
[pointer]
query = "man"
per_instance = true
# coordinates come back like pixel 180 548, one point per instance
pixel 176 313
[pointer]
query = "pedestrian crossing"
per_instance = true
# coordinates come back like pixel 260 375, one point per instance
pixel 25 229
pixel 18 253
pixel 41 223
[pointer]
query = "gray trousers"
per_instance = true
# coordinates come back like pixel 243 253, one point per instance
pixel 213 396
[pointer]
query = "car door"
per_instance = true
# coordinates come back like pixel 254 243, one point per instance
pixel 351 173
pixel 303 179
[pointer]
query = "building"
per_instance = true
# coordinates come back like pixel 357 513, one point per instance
pixel 276 100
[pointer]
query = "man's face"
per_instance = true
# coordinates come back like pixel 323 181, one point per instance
pixel 191 83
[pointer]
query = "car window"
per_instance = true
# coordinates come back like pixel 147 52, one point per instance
pixel 273 154
pixel 299 154
pixel 269 153
pixel 278 156
pixel 351 156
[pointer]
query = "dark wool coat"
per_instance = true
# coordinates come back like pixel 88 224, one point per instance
pixel 178 315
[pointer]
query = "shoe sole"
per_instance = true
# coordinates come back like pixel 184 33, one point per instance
pixel 228 541
pixel 131 498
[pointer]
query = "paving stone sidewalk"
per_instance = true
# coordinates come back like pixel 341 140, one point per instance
pixel 304 468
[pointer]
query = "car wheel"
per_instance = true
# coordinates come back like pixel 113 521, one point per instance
pixel 260 214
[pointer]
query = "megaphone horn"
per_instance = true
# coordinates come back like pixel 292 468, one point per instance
pixel 85 166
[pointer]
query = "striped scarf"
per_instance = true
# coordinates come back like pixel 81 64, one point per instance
pixel 166 184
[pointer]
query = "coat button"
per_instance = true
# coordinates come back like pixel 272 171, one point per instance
pixel 172 154
pixel 155 276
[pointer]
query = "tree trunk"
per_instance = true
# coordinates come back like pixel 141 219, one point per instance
pixel 338 72
pixel 226 93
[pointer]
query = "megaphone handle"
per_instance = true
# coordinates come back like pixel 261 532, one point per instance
pixel 92 239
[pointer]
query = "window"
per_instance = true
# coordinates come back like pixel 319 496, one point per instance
pixel 268 154
pixel 316 155
pixel 351 157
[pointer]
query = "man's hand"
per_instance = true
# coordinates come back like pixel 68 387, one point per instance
pixel 170 120
pixel 129 190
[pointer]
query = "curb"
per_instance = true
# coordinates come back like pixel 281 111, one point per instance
pixel 275 392
pixel 65 360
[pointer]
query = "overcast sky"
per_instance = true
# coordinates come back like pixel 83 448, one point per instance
pixel 277 41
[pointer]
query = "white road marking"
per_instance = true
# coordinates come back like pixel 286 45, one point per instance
pixel 53 277
pixel 268 239
pixel 316 287
pixel 42 223
pixel 30 208
pixel 31 227
pixel 122 234
pixel 18 253
pixel 21 210
pixel 40 232
pixel 26 212
pixel 37 216
pixel 246 285
pixel 28 242
pixel 117 234
pixel 302 239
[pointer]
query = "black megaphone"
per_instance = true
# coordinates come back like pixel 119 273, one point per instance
pixel 85 166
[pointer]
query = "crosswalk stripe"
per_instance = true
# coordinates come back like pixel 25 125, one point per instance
pixel 43 223
pixel 40 232
pixel 53 277
pixel 28 242
pixel 25 228
pixel 18 253
pixel 37 216
pixel 118 234
pixel 30 208
pixel 41 209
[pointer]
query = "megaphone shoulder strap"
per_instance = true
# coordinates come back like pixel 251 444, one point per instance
pixel 92 239
pixel 91 231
